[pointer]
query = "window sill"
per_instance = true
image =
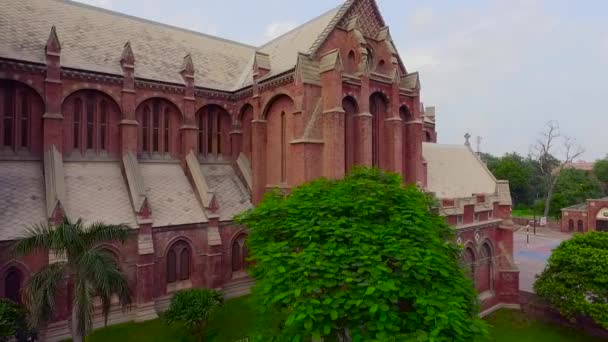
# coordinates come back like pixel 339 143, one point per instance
pixel 179 285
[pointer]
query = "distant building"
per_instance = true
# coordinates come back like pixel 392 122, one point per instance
pixel 585 217
pixel 580 165
pixel 109 117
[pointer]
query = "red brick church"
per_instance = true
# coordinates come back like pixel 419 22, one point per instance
pixel 113 118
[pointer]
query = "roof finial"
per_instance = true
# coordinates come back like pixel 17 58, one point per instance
pixel 467 143
pixel 52 44
pixel 187 68
pixel 127 57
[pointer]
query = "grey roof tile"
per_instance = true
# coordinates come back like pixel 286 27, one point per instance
pixel 231 193
pixel 22 197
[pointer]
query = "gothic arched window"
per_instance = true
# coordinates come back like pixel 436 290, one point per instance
pixel 178 262
pixel 485 269
pixel 469 262
pixel 213 131
pixel 12 284
pixel 581 228
pixel 239 254
pixel 571 226
pixel 91 118
pixel 157 127
pixel 20 106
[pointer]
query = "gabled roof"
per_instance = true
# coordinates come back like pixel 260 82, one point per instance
pixel 454 171
pixel 93 39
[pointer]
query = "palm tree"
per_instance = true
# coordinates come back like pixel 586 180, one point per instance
pixel 91 269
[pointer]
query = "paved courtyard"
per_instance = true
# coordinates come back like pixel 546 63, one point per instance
pixel 531 258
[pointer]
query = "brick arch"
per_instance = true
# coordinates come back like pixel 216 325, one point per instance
pixel 571 225
pixel 38 89
pixel 91 123
pixel 23 272
pixel 21 110
pixel 116 252
pixel 469 259
pixel 163 97
pixel 484 278
pixel 158 131
pixel 268 105
pixel 278 115
pixel 83 86
pixel 580 226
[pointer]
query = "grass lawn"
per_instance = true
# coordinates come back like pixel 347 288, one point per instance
pixel 513 326
pixel 238 319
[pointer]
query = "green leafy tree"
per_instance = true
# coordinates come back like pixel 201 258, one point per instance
pixel 363 258
pixel 193 308
pixel 574 186
pixel 600 170
pixel 13 323
pixel 92 270
pixel 518 171
pixel 575 281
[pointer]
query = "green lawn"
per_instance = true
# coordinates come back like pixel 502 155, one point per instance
pixel 238 319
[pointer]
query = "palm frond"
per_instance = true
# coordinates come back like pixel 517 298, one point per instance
pixel 84 297
pixel 98 232
pixel 41 289
pixel 38 237
pixel 101 271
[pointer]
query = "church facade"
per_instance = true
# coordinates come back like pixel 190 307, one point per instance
pixel 113 118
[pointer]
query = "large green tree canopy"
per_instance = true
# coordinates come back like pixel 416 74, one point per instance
pixel 362 257
pixel 575 279
pixel 573 187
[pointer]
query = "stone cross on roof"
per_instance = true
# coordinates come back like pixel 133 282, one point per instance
pixel 467 136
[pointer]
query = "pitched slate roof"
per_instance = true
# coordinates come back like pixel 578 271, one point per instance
pixel 171 197
pixel 96 192
pixel 93 39
pixel 232 196
pixel 21 197
pixel 454 171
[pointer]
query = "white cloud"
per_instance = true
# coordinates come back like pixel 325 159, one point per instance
pixel 278 28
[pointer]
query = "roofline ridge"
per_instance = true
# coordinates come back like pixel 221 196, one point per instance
pixel 298 27
pixel 148 21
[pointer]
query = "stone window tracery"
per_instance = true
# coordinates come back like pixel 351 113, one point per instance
pixel 18 105
pixel 178 262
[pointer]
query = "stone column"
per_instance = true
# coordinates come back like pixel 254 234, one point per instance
pixel 363 126
pixel 188 129
pixel 236 143
pixel 258 158
pixel 393 128
pixel 53 118
pixel 333 115
pixel 215 268
pixel 128 122
pixel 146 280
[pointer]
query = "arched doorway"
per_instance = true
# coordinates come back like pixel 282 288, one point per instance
pixel 571 226
pixel 484 276
pixel 581 227
pixel 12 284
pixel 239 256
pixel 469 263
pixel 351 138
pixel 178 262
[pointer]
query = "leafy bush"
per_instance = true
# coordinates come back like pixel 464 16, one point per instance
pixel 193 308
pixel 13 322
pixel 362 258
pixel 575 279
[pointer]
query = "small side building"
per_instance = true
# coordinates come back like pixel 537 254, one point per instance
pixel 585 217
pixel 478 206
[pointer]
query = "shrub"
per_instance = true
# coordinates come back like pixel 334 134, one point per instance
pixel 575 279
pixel 193 308
pixel 13 322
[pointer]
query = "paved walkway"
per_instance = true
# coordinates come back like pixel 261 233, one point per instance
pixel 531 257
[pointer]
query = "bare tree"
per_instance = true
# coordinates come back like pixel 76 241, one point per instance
pixel 546 149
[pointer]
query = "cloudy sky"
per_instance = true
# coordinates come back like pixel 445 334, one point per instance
pixel 499 69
